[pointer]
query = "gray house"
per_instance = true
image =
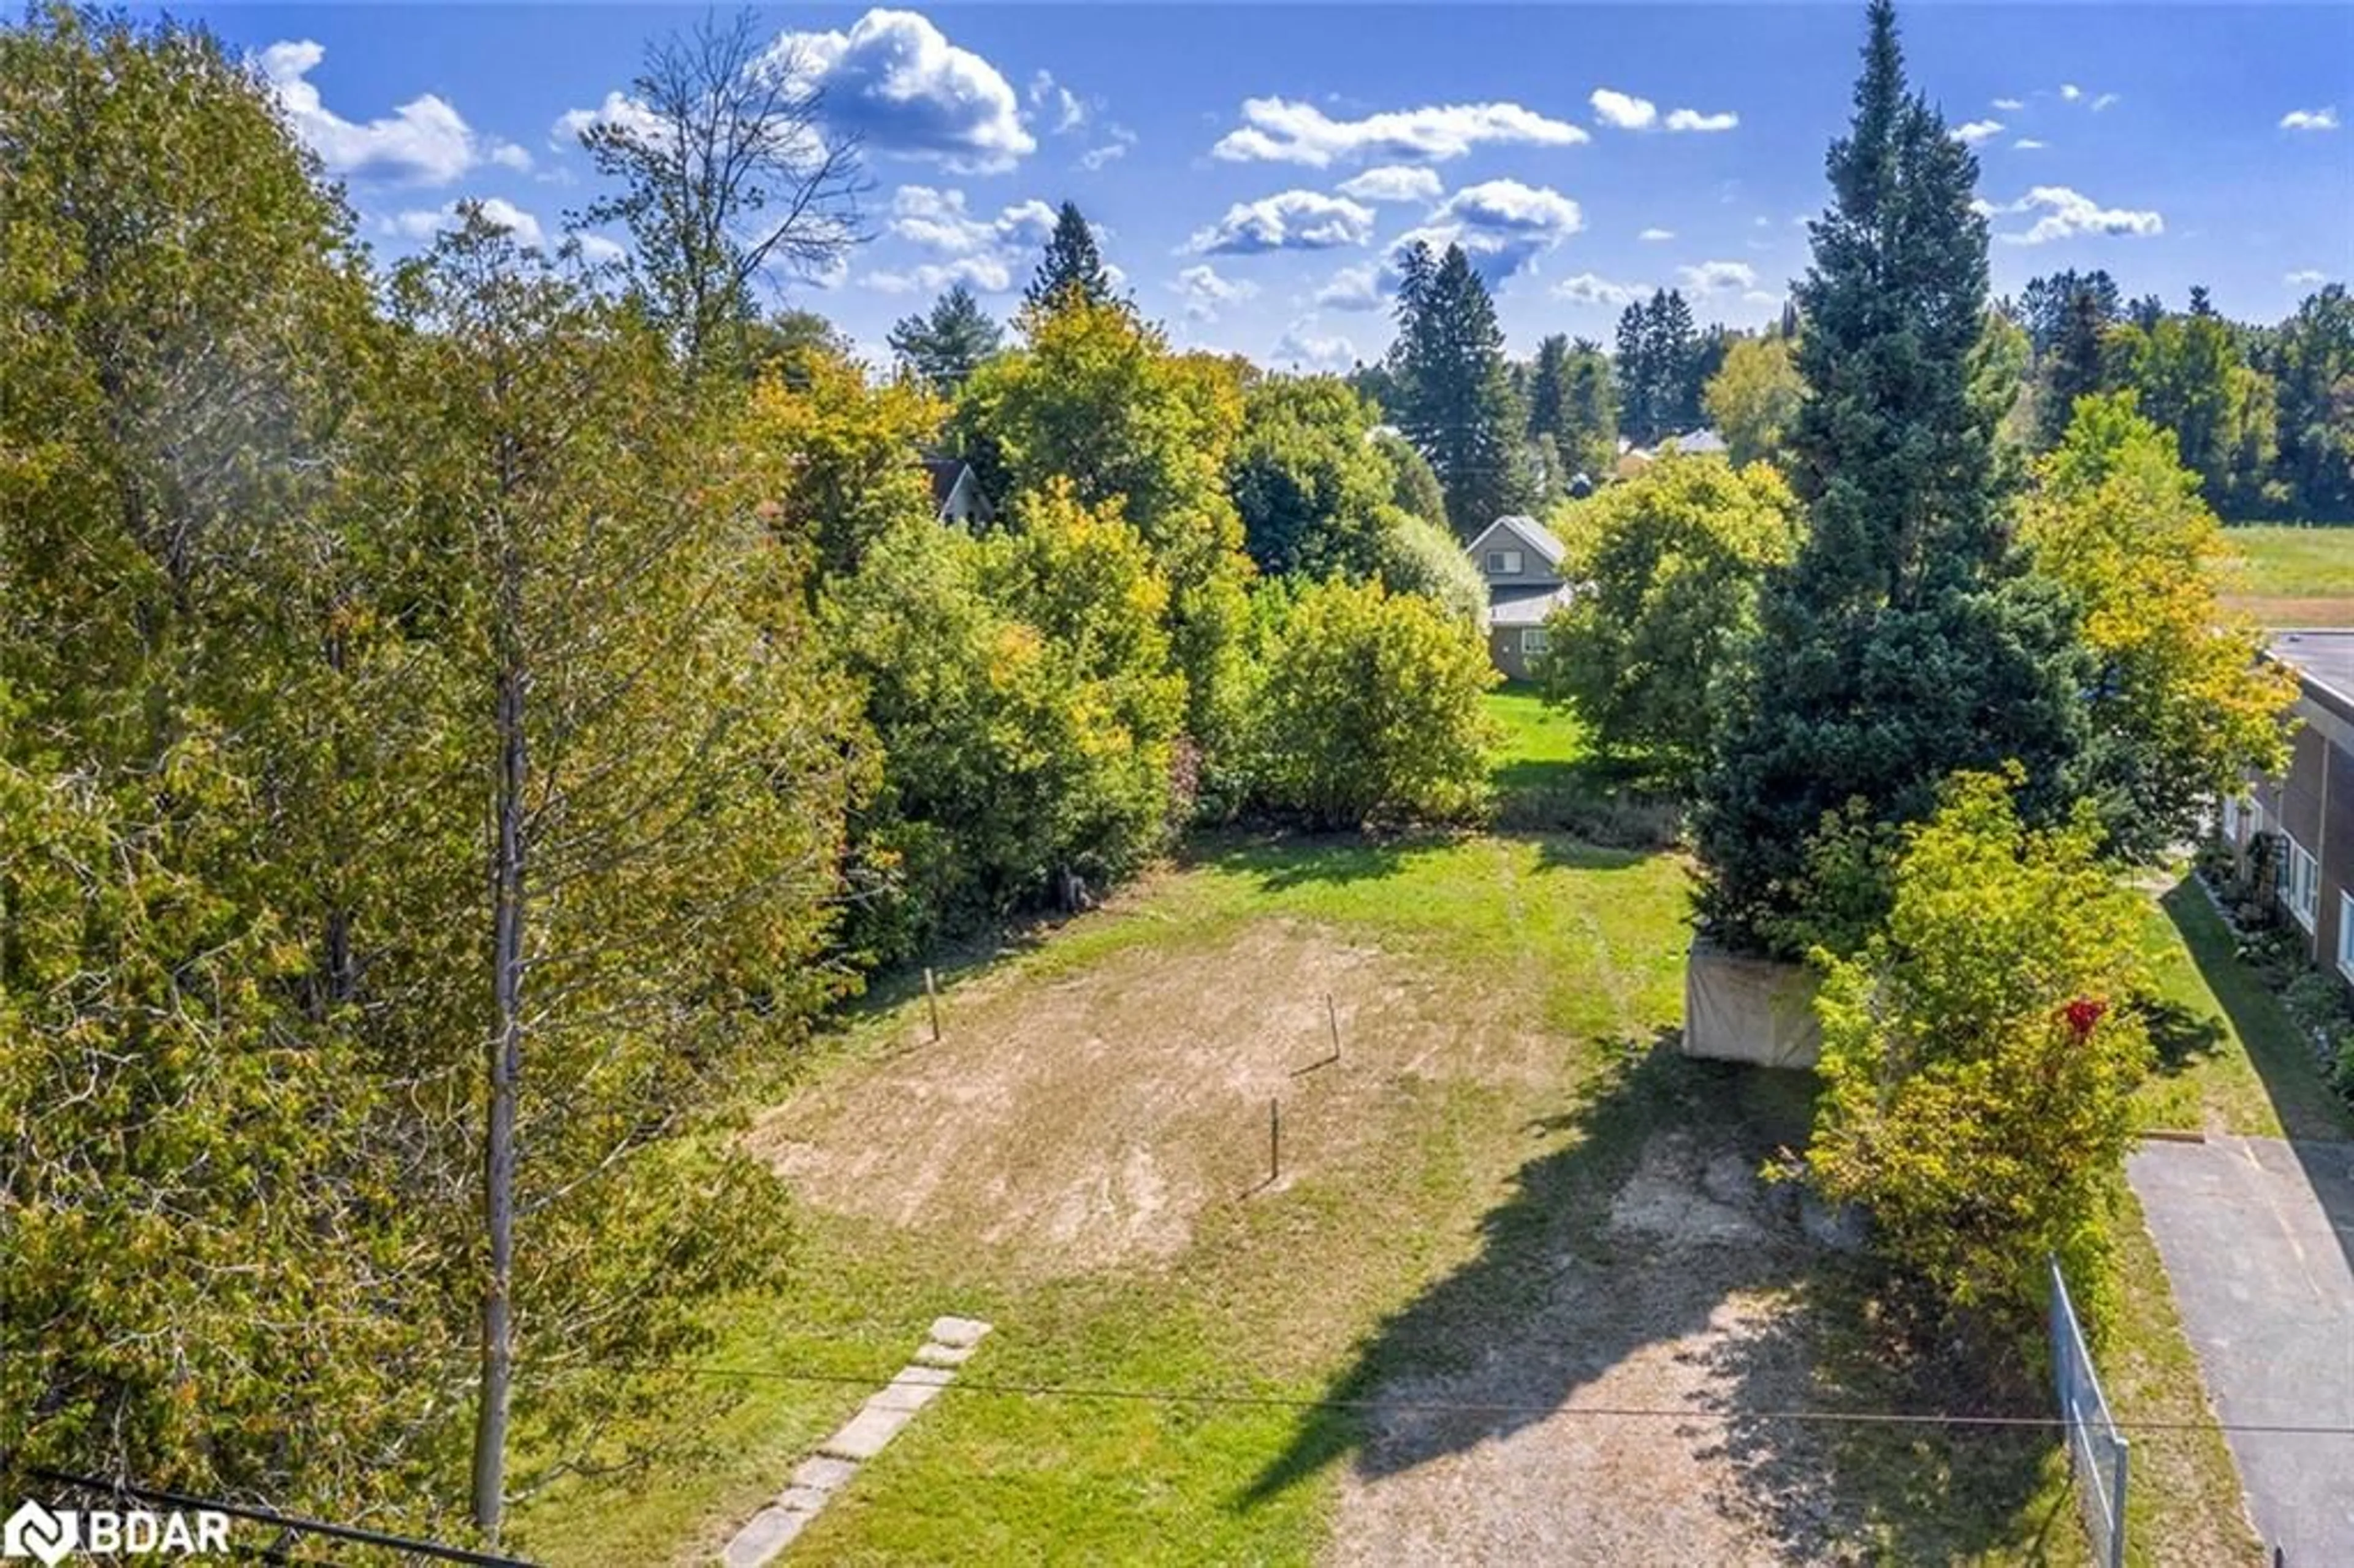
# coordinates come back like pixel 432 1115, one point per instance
pixel 956 492
pixel 1521 560
pixel 2303 819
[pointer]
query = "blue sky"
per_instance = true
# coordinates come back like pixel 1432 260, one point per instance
pixel 1251 166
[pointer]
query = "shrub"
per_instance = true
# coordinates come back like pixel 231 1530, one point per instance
pixel 1979 1059
pixel 1369 708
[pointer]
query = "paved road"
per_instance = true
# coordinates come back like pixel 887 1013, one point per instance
pixel 2258 1239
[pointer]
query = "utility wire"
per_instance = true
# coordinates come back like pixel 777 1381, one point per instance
pixel 963 1384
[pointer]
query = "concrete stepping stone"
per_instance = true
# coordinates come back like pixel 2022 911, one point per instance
pixel 958 1333
pixel 863 1435
pixel 822 1473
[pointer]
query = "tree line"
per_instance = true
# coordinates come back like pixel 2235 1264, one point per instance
pixel 457 719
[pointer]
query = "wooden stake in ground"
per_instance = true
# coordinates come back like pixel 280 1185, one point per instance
pixel 1274 1141
pixel 1333 1017
pixel 932 1000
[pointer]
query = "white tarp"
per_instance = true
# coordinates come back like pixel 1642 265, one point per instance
pixel 1740 1009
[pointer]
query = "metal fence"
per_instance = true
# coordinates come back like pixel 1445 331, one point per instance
pixel 2097 1451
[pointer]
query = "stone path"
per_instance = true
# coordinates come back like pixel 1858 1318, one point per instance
pixel 863 1435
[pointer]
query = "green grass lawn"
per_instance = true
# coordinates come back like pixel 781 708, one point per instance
pixel 1542 745
pixel 2296 574
pixel 2229 1058
pixel 1427 1229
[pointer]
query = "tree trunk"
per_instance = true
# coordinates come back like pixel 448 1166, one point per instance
pixel 505 1066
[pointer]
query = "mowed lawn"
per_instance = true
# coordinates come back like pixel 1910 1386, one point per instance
pixel 2295 574
pixel 1479 1201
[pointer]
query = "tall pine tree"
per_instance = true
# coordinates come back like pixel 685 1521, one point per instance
pixel 1072 265
pixel 1455 391
pixel 947 344
pixel 1905 643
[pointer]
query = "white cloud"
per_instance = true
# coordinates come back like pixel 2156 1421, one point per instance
pixel 1977 131
pixel 424 223
pixel 619 109
pixel 1511 206
pixel 1501 225
pixel 2010 105
pixel 1353 289
pixel 1301 345
pixel 986 274
pixel 2104 102
pixel 598 249
pixel 2029 145
pixel 1586 289
pixel 1393 182
pixel 1761 297
pixel 1118 139
pixel 895 83
pixel 2067 213
pixel 2309 277
pixel 1623 111
pixel 1718 277
pixel 1056 106
pixel 1279 129
pixel 937 220
pixel 1656 234
pixel 424 141
pixel 2310 119
pixel 1288 220
pixel 1206 293
pixel 1693 120
pixel 2071 91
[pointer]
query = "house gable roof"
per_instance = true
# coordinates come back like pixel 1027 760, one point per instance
pixel 1529 532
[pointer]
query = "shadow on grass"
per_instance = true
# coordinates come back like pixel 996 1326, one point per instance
pixel 1636 1233
pixel 1277 859
pixel 2283 1060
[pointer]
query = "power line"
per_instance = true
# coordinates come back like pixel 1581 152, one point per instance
pixel 969 1385
pixel 260 1515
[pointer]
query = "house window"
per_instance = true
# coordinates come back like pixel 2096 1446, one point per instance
pixel 1503 562
pixel 1532 639
pixel 2346 935
pixel 2301 889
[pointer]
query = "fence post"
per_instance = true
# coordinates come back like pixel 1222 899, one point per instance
pixel 2124 1449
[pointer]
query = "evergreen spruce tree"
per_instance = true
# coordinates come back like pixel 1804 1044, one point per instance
pixel 1678 364
pixel 1905 643
pixel 1455 389
pixel 1633 366
pixel 948 343
pixel 1589 413
pixel 2073 368
pixel 1072 264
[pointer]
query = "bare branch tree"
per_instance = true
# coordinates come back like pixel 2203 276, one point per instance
pixel 728 174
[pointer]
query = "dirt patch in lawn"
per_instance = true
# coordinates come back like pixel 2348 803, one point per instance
pixel 1599 1427
pixel 1087 1121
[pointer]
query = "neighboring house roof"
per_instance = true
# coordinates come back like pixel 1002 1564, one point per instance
pixel 945 472
pixel 1692 442
pixel 2324 659
pixel 1526 606
pixel 1531 534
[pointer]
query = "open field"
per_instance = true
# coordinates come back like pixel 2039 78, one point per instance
pixel 2294 576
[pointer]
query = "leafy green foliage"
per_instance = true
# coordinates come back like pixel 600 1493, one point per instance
pixel 2312 359
pixel 2182 708
pixel 1979 1059
pixel 847 452
pixel 2193 378
pixel 1667 564
pixel 1753 398
pixel 1097 398
pixel 1022 692
pixel 1906 641
pixel 1370 709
